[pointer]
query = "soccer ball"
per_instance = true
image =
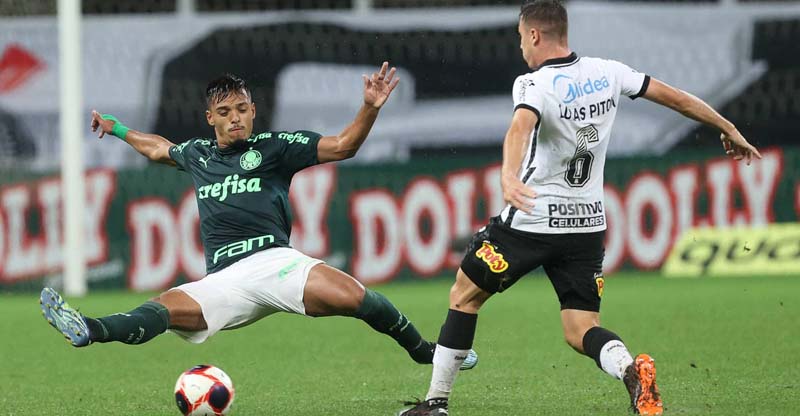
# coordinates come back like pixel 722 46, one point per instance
pixel 204 390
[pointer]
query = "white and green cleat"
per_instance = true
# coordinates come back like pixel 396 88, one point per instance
pixel 65 319
pixel 470 362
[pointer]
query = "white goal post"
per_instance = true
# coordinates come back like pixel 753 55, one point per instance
pixel 72 127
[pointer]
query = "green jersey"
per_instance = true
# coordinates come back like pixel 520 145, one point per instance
pixel 243 191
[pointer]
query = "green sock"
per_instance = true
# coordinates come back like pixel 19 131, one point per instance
pixel 383 317
pixel 135 327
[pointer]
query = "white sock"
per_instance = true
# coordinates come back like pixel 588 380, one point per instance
pixel 615 358
pixel 446 362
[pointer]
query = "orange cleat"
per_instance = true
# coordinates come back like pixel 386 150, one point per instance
pixel 640 379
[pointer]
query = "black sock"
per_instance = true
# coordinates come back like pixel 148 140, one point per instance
pixel 135 327
pixel 594 340
pixel 382 316
pixel 458 330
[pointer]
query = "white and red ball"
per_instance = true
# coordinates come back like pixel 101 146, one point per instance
pixel 204 390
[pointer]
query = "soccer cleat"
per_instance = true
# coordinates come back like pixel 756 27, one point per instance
pixel 640 379
pixel 424 355
pixel 62 317
pixel 470 362
pixel 430 407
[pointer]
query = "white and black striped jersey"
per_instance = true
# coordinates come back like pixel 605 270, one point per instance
pixel 576 101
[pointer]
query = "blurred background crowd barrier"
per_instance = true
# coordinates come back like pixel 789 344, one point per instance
pixel 429 174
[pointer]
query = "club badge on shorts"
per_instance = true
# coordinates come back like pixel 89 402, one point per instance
pixel 598 278
pixel 250 159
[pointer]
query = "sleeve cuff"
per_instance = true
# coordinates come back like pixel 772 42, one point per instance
pixel 172 156
pixel 528 107
pixel 643 90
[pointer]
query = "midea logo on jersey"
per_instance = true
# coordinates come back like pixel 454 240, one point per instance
pixel 569 90
pixel 250 159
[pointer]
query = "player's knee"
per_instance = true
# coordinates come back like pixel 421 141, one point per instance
pixel 168 299
pixel 346 299
pixel 465 296
pixel 465 301
pixel 353 299
pixel 184 312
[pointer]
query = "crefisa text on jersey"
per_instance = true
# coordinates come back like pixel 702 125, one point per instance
pixel 579 113
pixel 219 190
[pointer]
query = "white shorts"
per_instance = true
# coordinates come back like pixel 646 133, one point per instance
pixel 261 284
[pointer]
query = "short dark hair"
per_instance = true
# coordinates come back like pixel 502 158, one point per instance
pixel 223 87
pixel 550 14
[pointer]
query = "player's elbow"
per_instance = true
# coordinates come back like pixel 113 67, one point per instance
pixel 148 153
pixel 335 156
pixel 350 154
pixel 346 153
pixel 156 153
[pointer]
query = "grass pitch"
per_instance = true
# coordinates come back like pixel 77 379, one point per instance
pixel 722 347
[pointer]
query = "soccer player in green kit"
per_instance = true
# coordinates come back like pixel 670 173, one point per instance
pixel 242 185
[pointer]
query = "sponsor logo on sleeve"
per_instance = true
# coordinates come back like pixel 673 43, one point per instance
pixel 179 148
pixel 297 137
pixel 523 89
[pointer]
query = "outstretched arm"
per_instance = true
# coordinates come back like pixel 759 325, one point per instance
pixel 690 106
pixel 516 143
pixel 376 91
pixel 152 146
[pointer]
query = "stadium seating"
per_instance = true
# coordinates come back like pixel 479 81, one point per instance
pixel 39 7
pixel 477 62
pixel 14 141
pixel 768 110
pixel 442 3
pixel 246 5
pixel 128 6
pixel 454 64
pixel 45 7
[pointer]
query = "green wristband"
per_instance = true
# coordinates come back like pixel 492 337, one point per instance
pixel 119 129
